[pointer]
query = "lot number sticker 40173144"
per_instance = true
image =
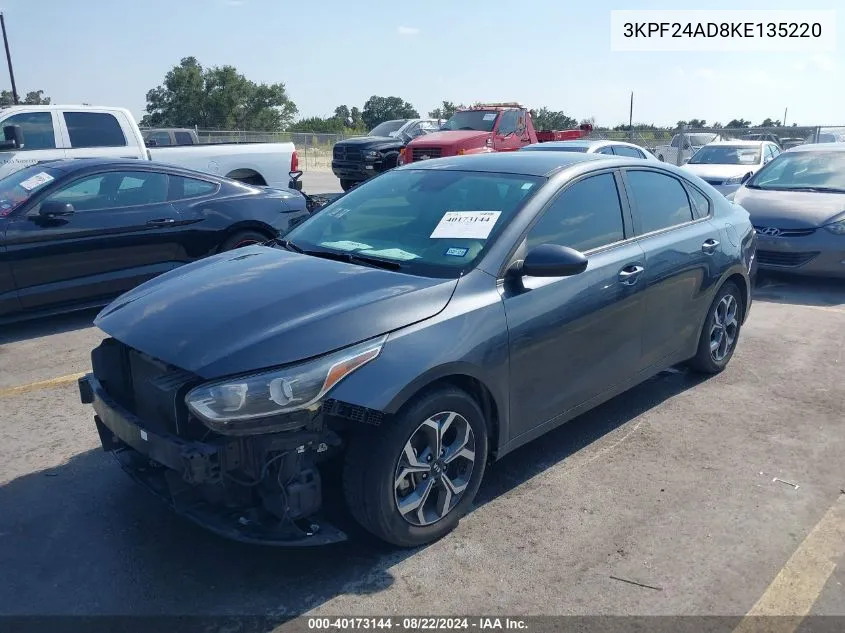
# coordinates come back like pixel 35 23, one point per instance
pixel 473 225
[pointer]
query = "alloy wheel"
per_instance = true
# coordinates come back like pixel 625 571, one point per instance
pixel 434 469
pixel 725 327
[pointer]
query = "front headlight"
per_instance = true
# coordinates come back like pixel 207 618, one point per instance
pixel 372 153
pixel 243 405
pixel 837 228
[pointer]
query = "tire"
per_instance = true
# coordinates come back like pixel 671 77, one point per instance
pixel 706 360
pixel 376 459
pixel 243 238
pixel 346 185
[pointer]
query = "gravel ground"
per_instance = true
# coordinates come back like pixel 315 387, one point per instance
pixel 669 485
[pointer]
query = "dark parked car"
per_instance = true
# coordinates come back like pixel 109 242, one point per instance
pixel 797 205
pixel 360 158
pixel 431 320
pixel 77 233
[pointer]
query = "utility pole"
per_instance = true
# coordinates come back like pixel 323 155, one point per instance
pixel 9 60
pixel 784 116
pixel 631 117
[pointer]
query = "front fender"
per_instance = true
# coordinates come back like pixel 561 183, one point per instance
pixel 468 339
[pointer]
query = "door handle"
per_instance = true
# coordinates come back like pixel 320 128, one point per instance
pixel 161 222
pixel 630 274
pixel 709 246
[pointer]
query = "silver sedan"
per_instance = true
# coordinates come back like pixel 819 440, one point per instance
pixel 797 206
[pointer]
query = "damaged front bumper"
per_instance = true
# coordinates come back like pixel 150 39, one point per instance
pixel 197 478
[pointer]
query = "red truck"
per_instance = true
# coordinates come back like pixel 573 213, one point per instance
pixel 488 127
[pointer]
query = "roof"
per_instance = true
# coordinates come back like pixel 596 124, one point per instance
pixel 69 165
pixel 738 142
pixel 574 143
pixel 817 147
pixel 524 163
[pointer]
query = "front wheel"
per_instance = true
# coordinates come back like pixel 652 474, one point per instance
pixel 244 238
pixel 721 331
pixel 410 481
pixel 346 185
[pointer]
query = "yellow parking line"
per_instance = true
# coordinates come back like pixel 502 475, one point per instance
pixel 799 583
pixel 42 384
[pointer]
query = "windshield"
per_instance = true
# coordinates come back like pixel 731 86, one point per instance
pixel 384 129
pixel 726 155
pixel 823 171
pixel 481 120
pixel 555 148
pixel 434 223
pixel 17 188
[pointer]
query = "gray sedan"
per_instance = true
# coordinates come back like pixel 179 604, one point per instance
pixel 797 206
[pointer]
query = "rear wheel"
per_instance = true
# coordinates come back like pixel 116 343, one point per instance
pixel 410 481
pixel 721 331
pixel 243 238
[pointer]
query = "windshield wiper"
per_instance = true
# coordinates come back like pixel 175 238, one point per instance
pixel 816 189
pixel 286 244
pixel 353 258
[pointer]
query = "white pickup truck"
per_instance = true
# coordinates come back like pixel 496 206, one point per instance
pixel 692 142
pixel 36 133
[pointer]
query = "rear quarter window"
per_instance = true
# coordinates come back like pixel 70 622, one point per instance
pixel 94 129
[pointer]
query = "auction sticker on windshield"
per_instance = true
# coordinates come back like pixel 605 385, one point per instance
pixel 466 224
pixel 490 116
pixel 392 253
pixel 33 182
pixel 345 245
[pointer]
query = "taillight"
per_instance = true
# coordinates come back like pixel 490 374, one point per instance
pixel 401 159
pixel 294 162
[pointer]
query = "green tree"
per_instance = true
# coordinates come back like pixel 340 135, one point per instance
pixel 445 110
pixel 35 97
pixel 697 124
pixel 344 113
pixel 767 122
pixel 545 119
pixel 380 109
pixel 737 123
pixel 218 97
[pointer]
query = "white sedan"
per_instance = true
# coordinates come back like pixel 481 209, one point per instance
pixel 586 146
pixel 728 164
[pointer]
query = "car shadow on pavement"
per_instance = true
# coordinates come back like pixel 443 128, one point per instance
pixel 82 539
pixel 47 326
pixel 798 290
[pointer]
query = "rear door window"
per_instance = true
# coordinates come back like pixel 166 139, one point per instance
pixel 94 129
pixel 624 150
pixel 659 199
pixel 184 138
pixel 182 187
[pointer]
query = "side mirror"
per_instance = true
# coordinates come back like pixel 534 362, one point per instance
pixel 553 260
pixel 746 178
pixel 13 137
pixel 55 209
pixel 151 142
pixel 685 161
pixel 295 182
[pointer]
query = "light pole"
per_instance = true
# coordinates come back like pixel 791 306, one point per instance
pixel 9 60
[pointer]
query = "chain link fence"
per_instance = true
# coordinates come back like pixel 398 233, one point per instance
pixel 671 145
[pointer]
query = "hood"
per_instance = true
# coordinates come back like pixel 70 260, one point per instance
pixel 720 171
pixel 463 138
pixel 259 307
pixel 791 209
pixel 370 142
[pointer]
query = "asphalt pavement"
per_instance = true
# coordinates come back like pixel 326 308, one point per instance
pixel 701 491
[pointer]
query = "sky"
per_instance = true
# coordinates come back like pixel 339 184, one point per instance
pixel 552 53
